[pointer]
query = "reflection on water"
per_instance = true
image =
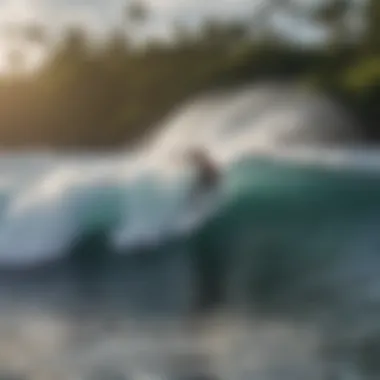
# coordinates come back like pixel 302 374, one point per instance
pixel 54 326
pixel 36 345
pixel 60 323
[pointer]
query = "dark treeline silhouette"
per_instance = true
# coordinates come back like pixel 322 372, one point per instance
pixel 92 95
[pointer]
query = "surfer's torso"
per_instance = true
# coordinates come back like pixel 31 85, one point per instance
pixel 207 174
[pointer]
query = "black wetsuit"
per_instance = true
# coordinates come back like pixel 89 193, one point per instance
pixel 207 178
pixel 206 259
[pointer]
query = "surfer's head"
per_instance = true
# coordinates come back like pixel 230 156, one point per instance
pixel 198 157
pixel 207 170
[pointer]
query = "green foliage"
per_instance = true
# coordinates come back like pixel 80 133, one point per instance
pixel 136 12
pixel 364 75
pixel 102 96
pixel 332 12
pixel 372 35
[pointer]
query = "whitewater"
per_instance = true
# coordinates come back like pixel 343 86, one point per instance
pixel 285 254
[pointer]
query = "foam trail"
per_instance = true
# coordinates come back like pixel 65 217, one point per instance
pixel 253 120
pixel 150 211
pixel 44 218
pixel 139 197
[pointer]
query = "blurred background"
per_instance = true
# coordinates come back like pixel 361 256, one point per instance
pixel 99 75
pixel 109 270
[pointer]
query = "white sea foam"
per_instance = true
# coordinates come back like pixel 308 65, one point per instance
pixel 48 200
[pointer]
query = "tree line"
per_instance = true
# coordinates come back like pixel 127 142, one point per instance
pixel 100 95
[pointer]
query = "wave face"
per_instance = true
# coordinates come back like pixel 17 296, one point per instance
pixel 294 231
pixel 51 200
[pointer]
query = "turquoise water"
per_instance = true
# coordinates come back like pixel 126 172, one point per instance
pixel 278 281
pixel 289 244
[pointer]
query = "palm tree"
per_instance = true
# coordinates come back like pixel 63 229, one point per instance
pixel 136 13
pixel 36 33
pixel 372 35
pixel 332 15
pixel 32 33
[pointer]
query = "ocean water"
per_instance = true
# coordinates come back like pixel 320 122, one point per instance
pixel 107 271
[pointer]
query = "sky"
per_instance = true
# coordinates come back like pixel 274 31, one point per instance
pixel 102 15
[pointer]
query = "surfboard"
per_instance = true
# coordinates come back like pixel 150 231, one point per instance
pixel 197 213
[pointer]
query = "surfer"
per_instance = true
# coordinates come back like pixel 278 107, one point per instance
pixel 206 262
pixel 208 174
